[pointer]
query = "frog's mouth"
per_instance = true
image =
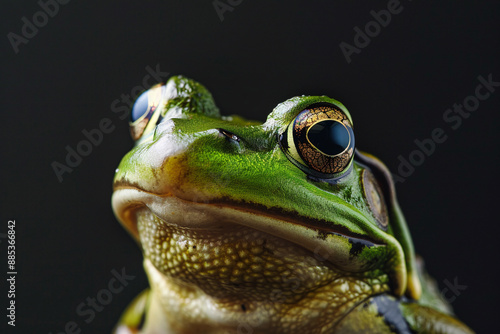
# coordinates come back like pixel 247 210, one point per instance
pixel 336 245
pixel 246 260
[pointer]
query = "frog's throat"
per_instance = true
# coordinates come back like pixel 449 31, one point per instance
pixel 339 247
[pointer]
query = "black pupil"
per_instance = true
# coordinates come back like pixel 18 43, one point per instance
pixel 330 137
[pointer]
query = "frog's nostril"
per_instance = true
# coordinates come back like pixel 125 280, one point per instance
pixel 229 135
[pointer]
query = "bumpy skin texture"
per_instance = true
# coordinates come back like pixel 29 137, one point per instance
pixel 238 239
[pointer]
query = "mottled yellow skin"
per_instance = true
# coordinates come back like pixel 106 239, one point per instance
pixel 239 277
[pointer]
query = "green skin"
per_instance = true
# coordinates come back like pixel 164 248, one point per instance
pixel 238 239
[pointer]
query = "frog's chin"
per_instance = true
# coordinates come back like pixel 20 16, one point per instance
pixel 337 246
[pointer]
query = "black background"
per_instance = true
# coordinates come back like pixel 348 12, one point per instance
pixel 397 89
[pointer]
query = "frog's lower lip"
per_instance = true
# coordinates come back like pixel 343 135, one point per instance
pixel 325 242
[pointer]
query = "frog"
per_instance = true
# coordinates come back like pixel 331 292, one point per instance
pixel 282 226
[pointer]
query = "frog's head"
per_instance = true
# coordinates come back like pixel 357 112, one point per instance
pixel 236 209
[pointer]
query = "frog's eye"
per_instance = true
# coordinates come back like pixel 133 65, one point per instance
pixel 320 141
pixel 146 112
